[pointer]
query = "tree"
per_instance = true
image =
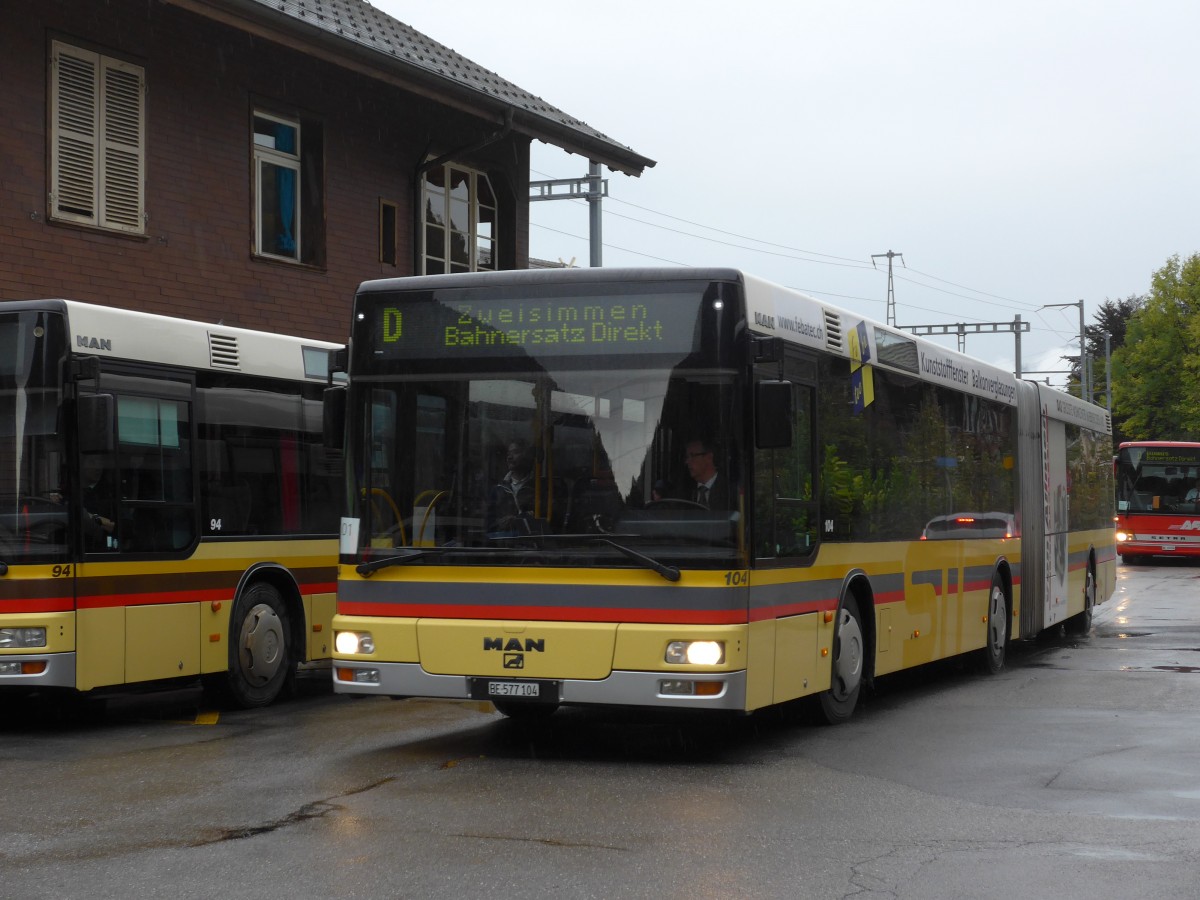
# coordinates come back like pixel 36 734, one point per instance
pixel 1111 321
pixel 1156 373
pixel 1112 318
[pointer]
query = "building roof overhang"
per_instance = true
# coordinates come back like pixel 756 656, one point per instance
pixel 354 35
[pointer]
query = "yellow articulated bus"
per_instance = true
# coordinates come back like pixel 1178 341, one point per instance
pixel 168 507
pixel 692 488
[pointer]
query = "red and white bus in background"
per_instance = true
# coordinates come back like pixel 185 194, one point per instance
pixel 1158 499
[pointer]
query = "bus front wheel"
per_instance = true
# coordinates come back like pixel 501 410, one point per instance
pixel 261 662
pixel 849 653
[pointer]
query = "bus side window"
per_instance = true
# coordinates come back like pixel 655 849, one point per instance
pixel 784 507
pixel 155 461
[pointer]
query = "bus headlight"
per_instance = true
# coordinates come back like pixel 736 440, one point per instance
pixel 696 653
pixel 1122 536
pixel 350 642
pixel 14 638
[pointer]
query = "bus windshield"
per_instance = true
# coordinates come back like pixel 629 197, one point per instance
pixel 1158 479
pixel 33 517
pixel 554 465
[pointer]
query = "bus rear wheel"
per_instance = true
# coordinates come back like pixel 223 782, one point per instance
pixel 991 657
pixel 849 654
pixel 1081 623
pixel 262 664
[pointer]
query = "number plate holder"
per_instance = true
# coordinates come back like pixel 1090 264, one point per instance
pixel 523 689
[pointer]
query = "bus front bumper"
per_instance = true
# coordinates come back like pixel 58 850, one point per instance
pixel 618 689
pixel 40 670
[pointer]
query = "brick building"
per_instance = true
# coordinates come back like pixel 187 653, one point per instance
pixel 252 161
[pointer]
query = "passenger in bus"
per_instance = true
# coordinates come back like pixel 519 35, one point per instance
pixel 511 502
pixel 661 490
pixel 1193 493
pixel 99 503
pixel 712 488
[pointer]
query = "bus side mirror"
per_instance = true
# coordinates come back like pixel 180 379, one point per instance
pixel 333 410
pixel 96 423
pixel 773 415
pixel 339 361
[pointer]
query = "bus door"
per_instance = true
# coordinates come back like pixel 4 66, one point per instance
pixel 1056 514
pixel 137 617
pixel 784 512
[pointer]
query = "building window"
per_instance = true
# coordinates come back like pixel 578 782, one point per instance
pixel 460 221
pixel 277 187
pixel 387 232
pixel 288 170
pixel 97 140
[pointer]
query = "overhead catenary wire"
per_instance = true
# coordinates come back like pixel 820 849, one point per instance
pixel 785 251
pixel 823 258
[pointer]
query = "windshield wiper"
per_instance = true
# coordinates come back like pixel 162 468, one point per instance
pixel 405 555
pixel 671 573
pixel 400 559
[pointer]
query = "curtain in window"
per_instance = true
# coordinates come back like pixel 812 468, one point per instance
pixel 285 184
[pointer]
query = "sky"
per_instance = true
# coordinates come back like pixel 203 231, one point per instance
pixel 1019 155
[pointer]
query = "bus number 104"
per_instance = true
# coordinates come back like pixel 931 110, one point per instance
pixel 737 579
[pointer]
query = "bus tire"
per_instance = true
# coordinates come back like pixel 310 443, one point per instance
pixel 262 664
pixel 991 657
pixel 849 656
pixel 1081 623
pixel 525 712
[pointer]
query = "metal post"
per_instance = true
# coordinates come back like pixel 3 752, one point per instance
pixel 594 229
pixel 590 188
pixel 962 329
pixel 1085 379
pixel 1017 352
pixel 891 293
pixel 1084 388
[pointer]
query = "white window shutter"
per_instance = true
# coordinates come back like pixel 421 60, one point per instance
pixel 74 125
pixel 122 124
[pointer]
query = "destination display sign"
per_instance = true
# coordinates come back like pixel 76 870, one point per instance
pixel 1171 456
pixel 469 326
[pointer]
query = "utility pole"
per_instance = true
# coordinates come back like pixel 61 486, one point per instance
pixel 891 297
pixel 590 188
pixel 1085 382
pixel 962 329
pixel 1108 370
pixel 594 231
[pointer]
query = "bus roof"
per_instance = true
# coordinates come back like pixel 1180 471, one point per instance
pixel 778 311
pixel 115 333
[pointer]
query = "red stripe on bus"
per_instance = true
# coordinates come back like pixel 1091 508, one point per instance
pixel 109 601
pixel 40 605
pixel 781 610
